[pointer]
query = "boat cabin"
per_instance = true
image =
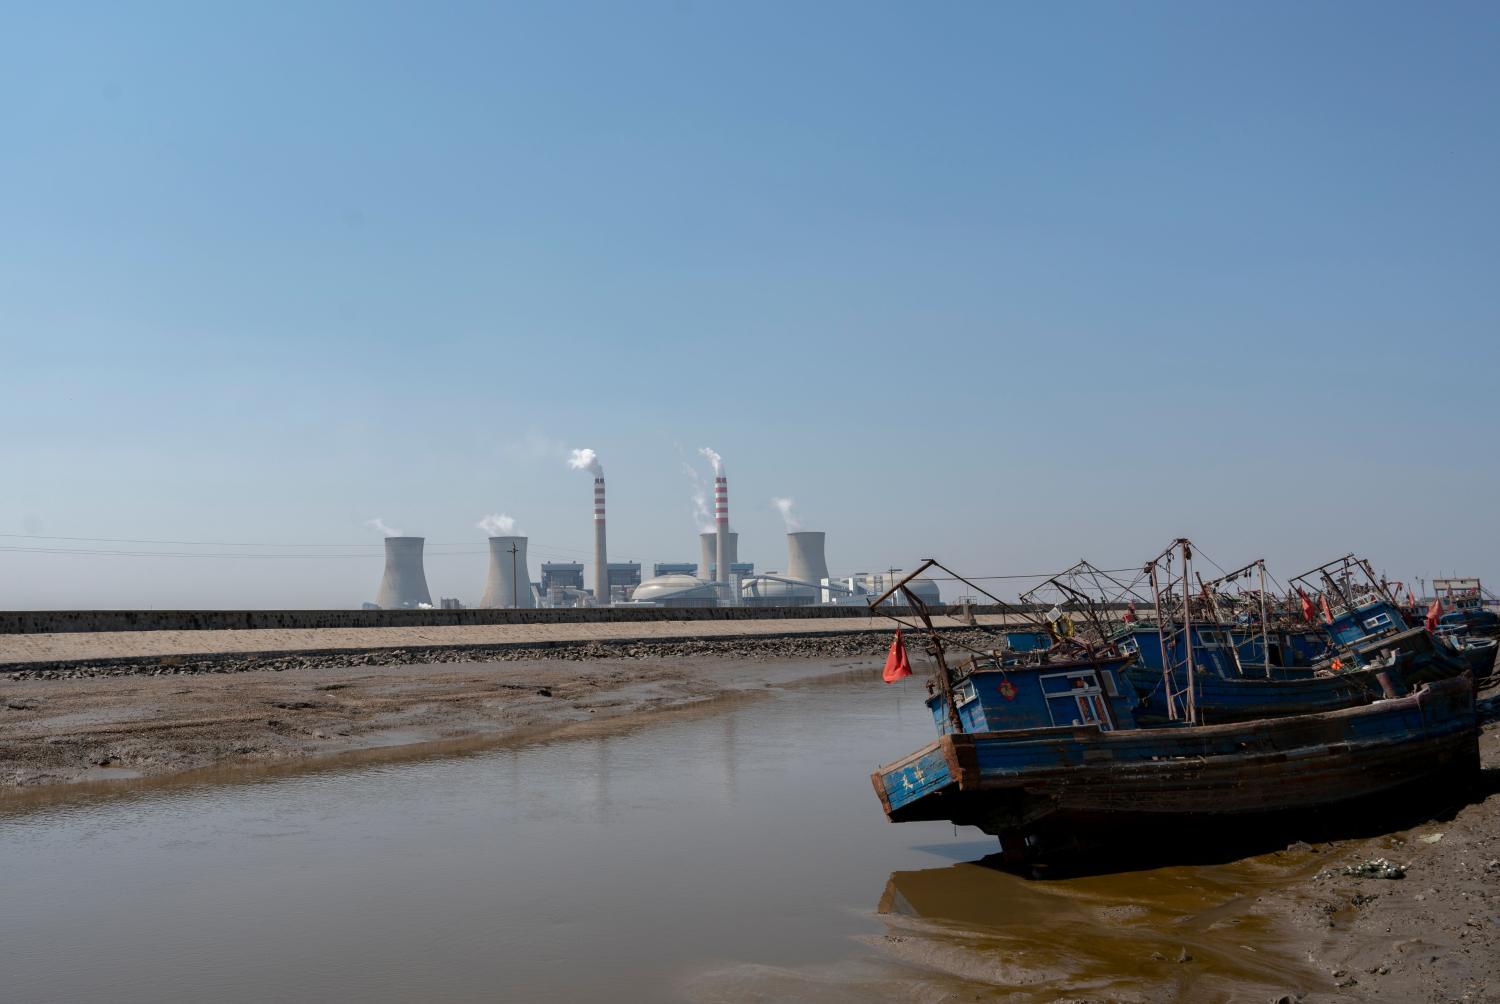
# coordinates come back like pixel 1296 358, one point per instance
pixel 1368 619
pixel 992 697
pixel 1215 647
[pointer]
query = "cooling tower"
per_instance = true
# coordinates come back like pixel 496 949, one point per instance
pixel 805 561
pixel 509 582
pixel 708 550
pixel 601 563
pixel 721 525
pixel 404 584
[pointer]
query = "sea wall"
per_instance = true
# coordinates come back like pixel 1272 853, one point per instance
pixel 67 621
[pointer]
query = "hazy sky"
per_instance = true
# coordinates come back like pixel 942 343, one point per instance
pixel 1007 284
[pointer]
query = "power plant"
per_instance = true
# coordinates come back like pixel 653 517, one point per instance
pixel 404 585
pixel 719 578
pixel 509 581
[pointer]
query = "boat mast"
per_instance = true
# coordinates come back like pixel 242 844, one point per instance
pixel 1187 631
pixel 1265 644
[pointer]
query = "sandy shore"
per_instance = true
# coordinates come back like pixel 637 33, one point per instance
pixel 1431 935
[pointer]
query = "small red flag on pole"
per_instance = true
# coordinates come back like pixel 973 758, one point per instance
pixel 896 664
pixel 1327 613
pixel 1307 608
pixel 1433 613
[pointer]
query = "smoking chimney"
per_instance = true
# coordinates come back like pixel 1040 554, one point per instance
pixel 509 582
pixel 805 561
pixel 404 584
pixel 601 563
pixel 721 523
pixel 708 550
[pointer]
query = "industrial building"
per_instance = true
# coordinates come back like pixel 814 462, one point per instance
pixel 562 583
pixel 624 577
pixel 673 568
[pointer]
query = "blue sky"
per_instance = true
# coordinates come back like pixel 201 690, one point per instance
pixel 1007 284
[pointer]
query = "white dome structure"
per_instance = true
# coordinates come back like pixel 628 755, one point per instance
pixel 760 591
pixel 677 590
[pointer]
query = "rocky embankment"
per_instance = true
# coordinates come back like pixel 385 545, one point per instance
pixel 833 646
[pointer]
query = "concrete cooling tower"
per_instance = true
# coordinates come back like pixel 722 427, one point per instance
pixel 404 584
pixel 805 560
pixel 509 582
pixel 709 553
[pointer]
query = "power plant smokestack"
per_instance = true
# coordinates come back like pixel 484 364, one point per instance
pixel 587 460
pixel 805 560
pixel 708 551
pixel 404 584
pixel 601 563
pixel 721 523
pixel 509 582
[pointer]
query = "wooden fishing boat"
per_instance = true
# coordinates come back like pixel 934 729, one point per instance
pixel 1049 789
pixel 1368 649
pixel 1050 756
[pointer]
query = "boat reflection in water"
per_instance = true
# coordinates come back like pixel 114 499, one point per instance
pixel 1120 936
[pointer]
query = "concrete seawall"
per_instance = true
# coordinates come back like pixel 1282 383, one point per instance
pixel 67 621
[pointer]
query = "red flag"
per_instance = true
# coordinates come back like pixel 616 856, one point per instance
pixel 1411 600
pixel 1327 613
pixel 1307 607
pixel 1433 613
pixel 1130 612
pixel 896 664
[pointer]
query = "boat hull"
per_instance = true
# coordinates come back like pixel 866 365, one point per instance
pixel 1027 787
pixel 1300 692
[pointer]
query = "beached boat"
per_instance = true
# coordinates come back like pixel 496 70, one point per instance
pixel 1043 788
pixel 1050 756
pixel 1367 650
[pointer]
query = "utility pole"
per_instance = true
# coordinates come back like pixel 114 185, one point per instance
pixel 515 585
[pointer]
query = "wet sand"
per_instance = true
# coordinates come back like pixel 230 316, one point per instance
pixel 1270 923
pixel 182 718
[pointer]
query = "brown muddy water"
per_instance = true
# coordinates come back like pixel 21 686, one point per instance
pixel 735 856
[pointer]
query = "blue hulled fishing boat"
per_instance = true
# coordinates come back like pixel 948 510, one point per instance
pixel 1050 756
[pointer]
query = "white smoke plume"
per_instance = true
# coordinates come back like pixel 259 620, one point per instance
pixel 586 460
pixel 379 524
pixel 793 524
pixel 714 459
pixel 497 524
pixel 701 514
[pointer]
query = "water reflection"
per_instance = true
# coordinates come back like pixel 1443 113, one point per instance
pixel 1186 933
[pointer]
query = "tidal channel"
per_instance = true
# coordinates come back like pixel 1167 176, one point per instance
pixel 736 853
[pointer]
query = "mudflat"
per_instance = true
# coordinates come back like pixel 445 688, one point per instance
pixel 143 721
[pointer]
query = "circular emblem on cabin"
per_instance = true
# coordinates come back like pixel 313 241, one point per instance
pixel 1007 690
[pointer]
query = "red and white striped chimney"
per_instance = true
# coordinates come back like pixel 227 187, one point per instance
pixel 601 560
pixel 721 524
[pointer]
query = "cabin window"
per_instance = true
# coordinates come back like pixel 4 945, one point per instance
pixel 1378 621
pixel 964 693
pixel 1211 638
pixel 1130 646
pixel 1091 711
pixel 1075 699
